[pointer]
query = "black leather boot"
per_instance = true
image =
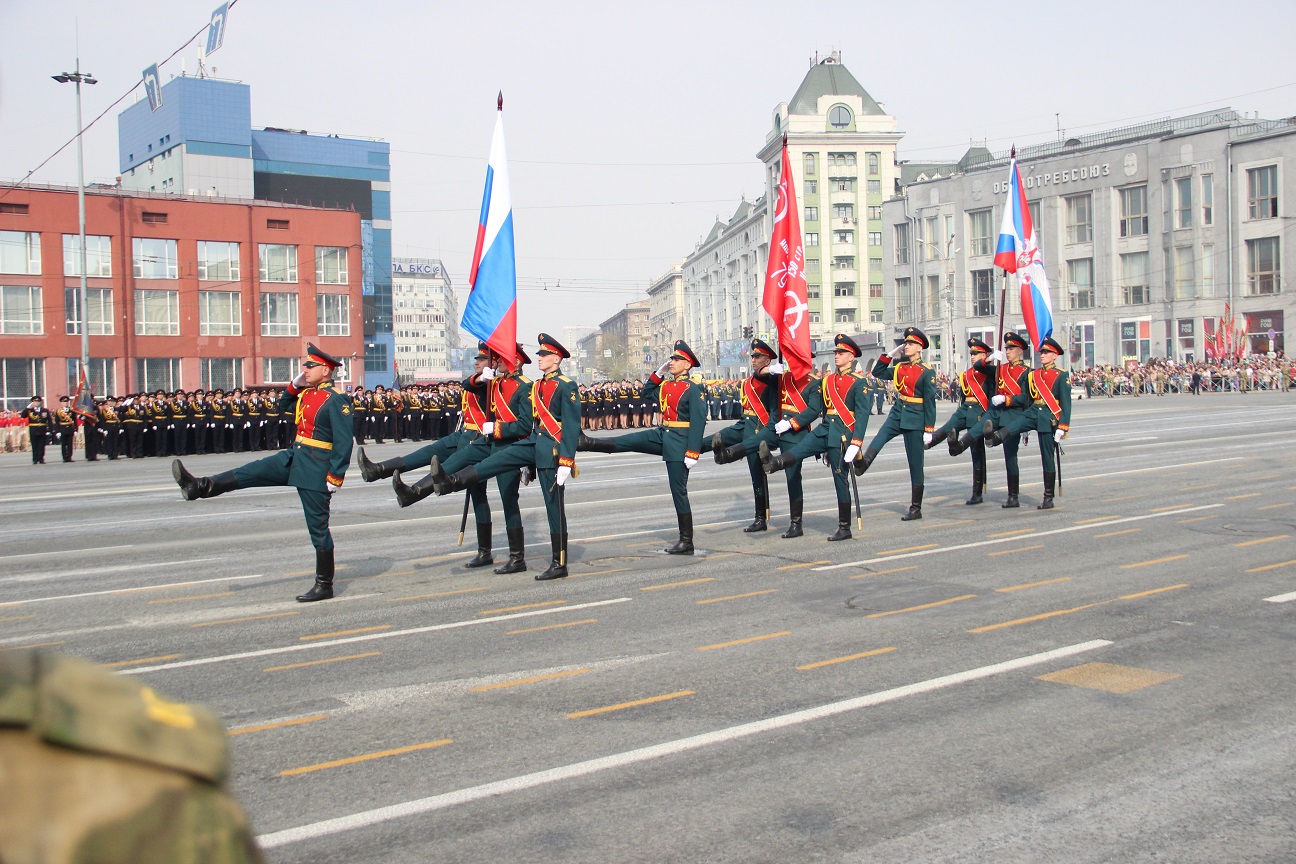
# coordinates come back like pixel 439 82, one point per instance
pixel 1014 484
pixel 483 556
pixel 586 444
pixel 772 463
pixel 684 546
pixel 843 522
pixel 1049 482
pixel 517 552
pixel 407 495
pixel 978 486
pixel 761 506
pixel 725 455
pixel 192 488
pixel 794 525
pixel 915 504
pixel 863 461
pixel 961 443
pixel 938 437
pixel 323 588
pixel 372 471
pixel 557 567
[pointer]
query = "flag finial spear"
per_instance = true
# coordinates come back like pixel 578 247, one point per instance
pixel 784 139
pixel 1012 154
pixel 499 103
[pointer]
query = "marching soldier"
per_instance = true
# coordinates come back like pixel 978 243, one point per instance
pixel 760 401
pixel 912 415
pixel 1048 414
pixel 65 424
pixel 360 410
pixel 315 465
pixel 550 449
pixel 977 386
pixel 842 401
pixel 678 441
pixel 38 426
pixel 1010 399
pixel 110 426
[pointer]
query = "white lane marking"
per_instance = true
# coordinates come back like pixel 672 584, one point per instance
pixel 1281 598
pixel 136 590
pixel 657 751
pixel 167 518
pixel 65 552
pixel 1017 539
pixel 59 574
pixel 267 652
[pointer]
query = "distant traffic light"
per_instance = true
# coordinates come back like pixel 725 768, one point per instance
pixel 747 332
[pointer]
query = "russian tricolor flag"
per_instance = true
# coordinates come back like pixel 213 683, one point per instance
pixel 491 311
pixel 1018 252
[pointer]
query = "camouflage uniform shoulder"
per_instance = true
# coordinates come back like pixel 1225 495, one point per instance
pixel 72 703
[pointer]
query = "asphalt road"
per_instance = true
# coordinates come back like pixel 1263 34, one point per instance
pixel 1107 681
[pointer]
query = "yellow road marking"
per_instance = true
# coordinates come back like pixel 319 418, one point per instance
pixel 744 641
pixel 736 596
pixel 944 524
pixel 551 627
pixel 1117 533
pixel 264 726
pixel 1091 521
pixel 143 660
pixel 1033 584
pixel 321 662
pixel 517 681
pixel 677 584
pixel 437 557
pixel 821 663
pixel 193 597
pixel 1262 540
pixel 909 549
pixel 138 590
pixel 1171 507
pixel 1150 593
pixel 1195 488
pixel 438 594
pixel 1270 567
pixel 1194 519
pixel 385 575
pixel 885 572
pixel 641 545
pixel 1126 498
pixel 1275 506
pixel 238 620
pixel 650 700
pixel 1239 497
pixel 1108 677
pixel 1014 551
pixel 1024 531
pixel 351 761
pixel 1039 617
pixel 721 555
pixel 1265 477
pixel 312 572
pixel 37 645
pixel 1153 561
pixel 523 606
pixel 17 618
pixel 601 572
pixel 923 606
pixel 806 564
pixel 345 632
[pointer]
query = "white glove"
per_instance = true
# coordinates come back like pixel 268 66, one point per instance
pixel 998 357
pixel 1059 435
pixel 689 462
pixel 300 381
pixel 782 426
pixel 562 476
pixel 488 427
pixel 998 399
pixel 331 488
pixel 487 374
pixel 927 438
pixel 776 368
pixel 661 370
pixel 851 452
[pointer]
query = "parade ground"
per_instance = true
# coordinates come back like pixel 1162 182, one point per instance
pixel 1109 680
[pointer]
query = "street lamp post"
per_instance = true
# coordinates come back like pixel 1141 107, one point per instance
pixel 78 77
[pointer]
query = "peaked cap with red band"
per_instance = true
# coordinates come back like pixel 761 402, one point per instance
pixel 683 350
pixel 842 342
pixel 550 345
pixel 1051 344
pixel 916 336
pixel 978 345
pixel 314 353
pixel 1010 339
pixel 760 346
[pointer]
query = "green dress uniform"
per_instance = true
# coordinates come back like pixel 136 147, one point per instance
pixel 976 383
pixel 1048 415
pixel 316 465
pixel 678 438
pixel 550 446
pixel 759 397
pixel 912 415
pixel 1010 383
pixel 841 402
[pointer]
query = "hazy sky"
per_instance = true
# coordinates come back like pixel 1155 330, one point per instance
pixel 630 127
